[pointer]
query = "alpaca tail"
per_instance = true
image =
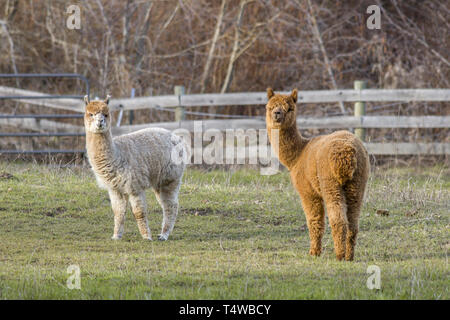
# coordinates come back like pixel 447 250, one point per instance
pixel 342 159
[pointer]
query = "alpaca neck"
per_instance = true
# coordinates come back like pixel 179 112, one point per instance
pixel 100 149
pixel 290 146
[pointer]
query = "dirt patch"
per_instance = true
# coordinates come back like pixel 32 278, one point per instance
pixel 22 210
pixel 55 211
pixel 74 215
pixel 204 212
pixel 6 176
pixel 412 212
pixel 273 221
pixel 382 212
pixel 198 211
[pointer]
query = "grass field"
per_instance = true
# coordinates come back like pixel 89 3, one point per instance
pixel 239 235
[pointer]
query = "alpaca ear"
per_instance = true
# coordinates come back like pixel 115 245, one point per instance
pixel 270 93
pixel 107 99
pixel 294 95
pixel 86 100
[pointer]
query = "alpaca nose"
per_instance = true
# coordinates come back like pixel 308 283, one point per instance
pixel 277 114
pixel 101 123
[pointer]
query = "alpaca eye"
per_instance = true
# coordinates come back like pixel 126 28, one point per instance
pixel 91 115
pixel 106 116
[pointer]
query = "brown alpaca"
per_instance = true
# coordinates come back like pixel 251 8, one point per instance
pixel 328 171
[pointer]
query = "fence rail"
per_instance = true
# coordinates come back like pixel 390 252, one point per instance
pixel 242 98
pixel 37 121
pixel 303 123
pixel 250 123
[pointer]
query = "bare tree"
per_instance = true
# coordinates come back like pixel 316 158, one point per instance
pixel 10 11
pixel 213 46
pixel 412 30
pixel 242 44
pixel 318 36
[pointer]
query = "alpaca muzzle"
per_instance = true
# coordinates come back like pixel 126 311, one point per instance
pixel 100 122
pixel 100 125
pixel 278 116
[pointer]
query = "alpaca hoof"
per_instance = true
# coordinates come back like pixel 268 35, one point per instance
pixel 340 257
pixel 147 238
pixel 314 253
pixel 116 237
pixel 162 237
pixel 349 258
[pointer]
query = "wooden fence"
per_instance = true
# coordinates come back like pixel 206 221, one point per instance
pixel 180 101
pixel 242 98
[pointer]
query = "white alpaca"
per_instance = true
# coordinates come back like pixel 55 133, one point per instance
pixel 127 165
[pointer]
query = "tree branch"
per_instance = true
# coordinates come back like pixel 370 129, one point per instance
pixel 316 31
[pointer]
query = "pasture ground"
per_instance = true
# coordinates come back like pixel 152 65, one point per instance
pixel 239 235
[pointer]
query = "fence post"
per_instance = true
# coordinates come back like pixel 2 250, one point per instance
pixel 131 118
pixel 179 111
pixel 360 108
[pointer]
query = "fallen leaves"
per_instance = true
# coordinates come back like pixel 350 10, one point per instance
pixel 382 212
pixel 6 176
pixel 412 213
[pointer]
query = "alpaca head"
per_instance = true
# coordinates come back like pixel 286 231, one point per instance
pixel 281 110
pixel 96 116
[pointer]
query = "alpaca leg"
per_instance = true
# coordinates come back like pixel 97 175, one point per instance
pixel 315 219
pixel 352 231
pixel 168 197
pixel 139 208
pixel 354 201
pixel 158 197
pixel 337 216
pixel 119 207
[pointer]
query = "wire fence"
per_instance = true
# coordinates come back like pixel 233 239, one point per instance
pixel 231 116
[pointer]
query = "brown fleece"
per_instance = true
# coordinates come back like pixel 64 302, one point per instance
pixel 328 171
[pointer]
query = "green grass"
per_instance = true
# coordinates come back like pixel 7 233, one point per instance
pixel 239 235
